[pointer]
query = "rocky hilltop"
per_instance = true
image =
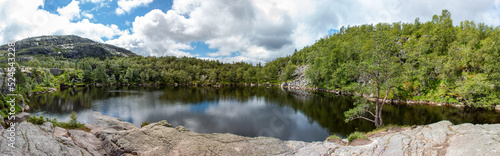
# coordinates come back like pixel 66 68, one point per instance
pixel 68 46
pixel 110 136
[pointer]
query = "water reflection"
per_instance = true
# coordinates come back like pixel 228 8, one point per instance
pixel 248 111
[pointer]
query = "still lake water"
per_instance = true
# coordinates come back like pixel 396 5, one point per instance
pixel 247 111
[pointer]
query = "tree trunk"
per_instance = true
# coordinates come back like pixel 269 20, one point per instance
pixel 377 116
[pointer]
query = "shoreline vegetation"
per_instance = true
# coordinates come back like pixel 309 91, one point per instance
pixel 389 101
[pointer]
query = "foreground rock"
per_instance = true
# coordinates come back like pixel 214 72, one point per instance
pixel 40 140
pixel 111 136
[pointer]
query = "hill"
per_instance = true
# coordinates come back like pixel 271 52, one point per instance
pixel 67 46
pixel 433 61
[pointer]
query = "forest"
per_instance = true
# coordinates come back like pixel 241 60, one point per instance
pixel 436 61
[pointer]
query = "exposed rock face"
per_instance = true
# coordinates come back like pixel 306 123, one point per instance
pixel 162 139
pixel 440 138
pixel 1 81
pixel 68 46
pixel 114 137
pixel 35 140
pixel 300 80
pixel 56 72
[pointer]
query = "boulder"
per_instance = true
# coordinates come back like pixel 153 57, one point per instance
pixel 29 74
pixel 22 116
pixel 56 71
pixel 284 84
pixel 101 122
pixel 1 82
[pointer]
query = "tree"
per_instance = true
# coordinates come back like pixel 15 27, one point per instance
pixel 47 79
pixel 476 91
pixel 100 74
pixel 87 73
pixel 212 76
pixel 20 79
pixel 287 72
pixel 378 72
pixel 112 79
pixel 122 79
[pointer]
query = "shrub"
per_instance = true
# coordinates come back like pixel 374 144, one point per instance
pixel 333 137
pixel 356 135
pixel 144 124
pixel 72 124
pixel 36 120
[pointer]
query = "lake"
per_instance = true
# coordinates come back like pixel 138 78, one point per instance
pixel 247 111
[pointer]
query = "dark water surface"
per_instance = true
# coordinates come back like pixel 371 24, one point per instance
pixel 247 111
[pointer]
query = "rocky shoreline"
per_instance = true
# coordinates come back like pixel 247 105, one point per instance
pixel 109 136
pixel 496 108
pixel 301 82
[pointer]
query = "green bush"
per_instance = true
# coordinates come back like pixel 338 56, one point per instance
pixel 144 124
pixel 356 135
pixel 36 120
pixel 72 124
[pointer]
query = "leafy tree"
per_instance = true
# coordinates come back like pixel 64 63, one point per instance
pixel 87 73
pixel 47 79
pixel 379 72
pixel 213 76
pixel 112 79
pixel 100 75
pixel 476 91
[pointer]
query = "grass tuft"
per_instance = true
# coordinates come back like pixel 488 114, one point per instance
pixel 333 137
pixel 356 135
pixel 385 128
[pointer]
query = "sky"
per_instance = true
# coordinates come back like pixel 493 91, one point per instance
pixel 228 30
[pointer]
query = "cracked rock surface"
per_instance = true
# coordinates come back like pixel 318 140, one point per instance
pixel 440 138
pixel 40 140
pixel 111 136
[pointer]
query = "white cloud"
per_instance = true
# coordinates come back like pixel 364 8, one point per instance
pixel 240 30
pixel 261 30
pixel 88 15
pixel 257 31
pixel 128 5
pixel 19 20
pixel 71 11
pixel 95 1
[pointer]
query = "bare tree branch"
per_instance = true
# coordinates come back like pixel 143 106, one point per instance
pixel 361 117
pixel 370 113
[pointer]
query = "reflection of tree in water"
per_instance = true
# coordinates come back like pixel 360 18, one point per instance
pixel 79 98
pixel 324 108
pixel 189 95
